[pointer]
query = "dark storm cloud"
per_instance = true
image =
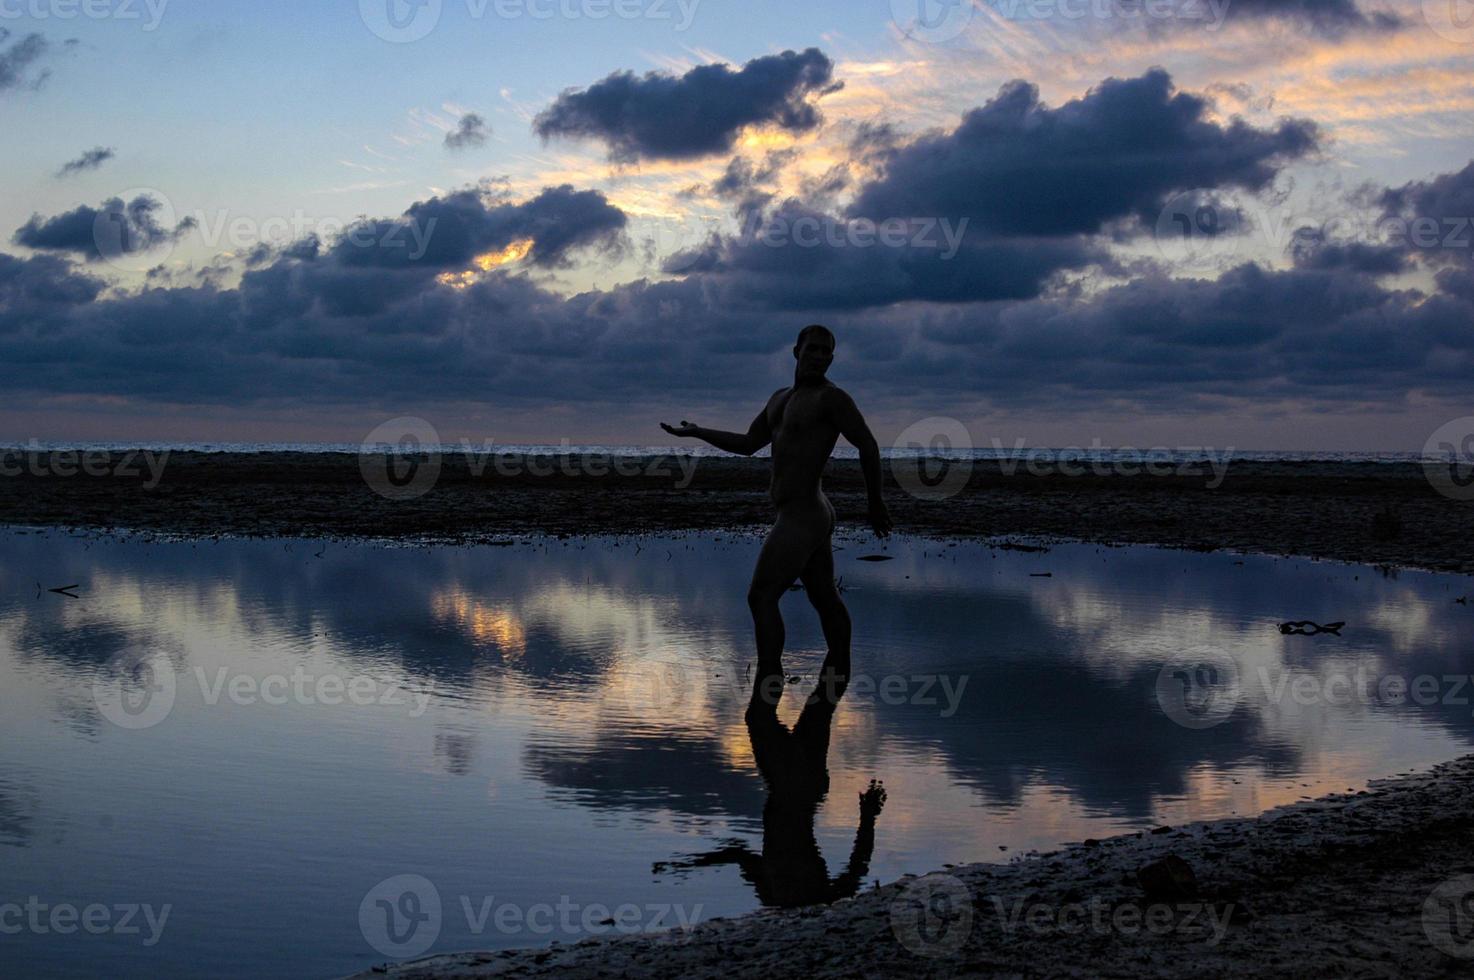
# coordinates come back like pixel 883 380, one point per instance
pixel 90 160
pixel 321 332
pixel 18 57
pixel 451 230
pixel 1445 196
pixel 1434 218
pixel 744 177
pixel 997 207
pixel 369 325
pixel 792 257
pixel 875 137
pixel 1015 166
pixel 664 116
pixel 39 284
pixel 114 229
pixel 470 132
pixel 1254 334
pixel 1310 250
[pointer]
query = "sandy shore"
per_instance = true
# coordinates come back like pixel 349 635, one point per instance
pixel 1364 884
pixel 1327 510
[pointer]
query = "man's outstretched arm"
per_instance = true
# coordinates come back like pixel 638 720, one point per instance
pixel 852 426
pixel 746 443
pixel 849 881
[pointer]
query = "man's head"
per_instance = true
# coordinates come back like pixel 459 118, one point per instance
pixel 814 351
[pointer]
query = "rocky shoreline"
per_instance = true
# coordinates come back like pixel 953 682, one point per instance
pixel 1374 883
pixel 1376 513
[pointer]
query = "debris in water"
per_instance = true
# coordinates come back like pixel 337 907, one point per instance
pixel 1304 627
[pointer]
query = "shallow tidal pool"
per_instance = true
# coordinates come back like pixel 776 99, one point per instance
pixel 303 758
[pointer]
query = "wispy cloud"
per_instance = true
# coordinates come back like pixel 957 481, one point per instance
pixel 90 160
pixel 472 131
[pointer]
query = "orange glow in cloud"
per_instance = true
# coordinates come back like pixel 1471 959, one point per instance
pixel 515 252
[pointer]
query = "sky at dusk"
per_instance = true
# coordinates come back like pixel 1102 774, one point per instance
pixel 1148 222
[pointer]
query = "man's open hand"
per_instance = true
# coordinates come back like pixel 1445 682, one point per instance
pixel 872 800
pixel 684 430
pixel 880 518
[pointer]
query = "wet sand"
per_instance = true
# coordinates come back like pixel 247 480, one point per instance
pixel 1324 510
pixel 1339 886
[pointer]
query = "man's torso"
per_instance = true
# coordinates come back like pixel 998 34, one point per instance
pixel 804 434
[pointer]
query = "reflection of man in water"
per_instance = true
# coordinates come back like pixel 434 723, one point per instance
pixel 802 422
pixel 791 871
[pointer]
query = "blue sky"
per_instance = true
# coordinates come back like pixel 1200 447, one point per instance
pixel 267 121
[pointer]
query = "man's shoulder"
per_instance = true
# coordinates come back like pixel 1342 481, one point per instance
pixel 836 395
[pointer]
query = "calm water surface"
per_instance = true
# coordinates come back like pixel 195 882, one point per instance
pixel 262 738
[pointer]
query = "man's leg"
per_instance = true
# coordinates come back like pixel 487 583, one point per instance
pixel 785 554
pixel 818 579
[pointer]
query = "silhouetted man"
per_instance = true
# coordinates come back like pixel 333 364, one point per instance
pixel 802 422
